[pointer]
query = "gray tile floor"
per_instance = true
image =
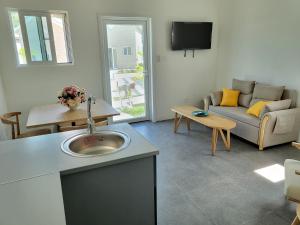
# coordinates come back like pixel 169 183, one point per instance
pixel 196 188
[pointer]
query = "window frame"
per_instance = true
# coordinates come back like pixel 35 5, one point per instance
pixel 42 13
pixel 126 49
pixel 129 51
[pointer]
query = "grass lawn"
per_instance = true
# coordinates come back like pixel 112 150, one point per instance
pixel 135 111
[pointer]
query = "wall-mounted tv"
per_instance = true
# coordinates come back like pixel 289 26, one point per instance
pixel 191 35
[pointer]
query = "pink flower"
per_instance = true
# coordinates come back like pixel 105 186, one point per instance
pixel 71 95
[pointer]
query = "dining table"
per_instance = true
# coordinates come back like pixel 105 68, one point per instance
pixel 56 114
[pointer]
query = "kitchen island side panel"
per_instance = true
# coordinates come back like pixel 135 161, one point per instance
pixel 119 194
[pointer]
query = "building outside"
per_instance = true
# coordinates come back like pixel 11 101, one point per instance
pixel 124 43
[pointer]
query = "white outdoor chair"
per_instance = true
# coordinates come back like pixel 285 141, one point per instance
pixel 292 183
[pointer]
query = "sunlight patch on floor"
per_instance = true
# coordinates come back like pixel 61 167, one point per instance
pixel 273 173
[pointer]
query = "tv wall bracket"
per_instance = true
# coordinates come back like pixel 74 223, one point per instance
pixel 185 51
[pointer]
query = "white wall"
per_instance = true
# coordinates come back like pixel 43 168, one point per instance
pixel 178 80
pixel 3 109
pixel 27 87
pixel 259 40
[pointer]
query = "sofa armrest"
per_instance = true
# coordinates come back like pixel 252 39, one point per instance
pixel 270 124
pixel 207 102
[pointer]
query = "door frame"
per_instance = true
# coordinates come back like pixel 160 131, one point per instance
pixel 149 87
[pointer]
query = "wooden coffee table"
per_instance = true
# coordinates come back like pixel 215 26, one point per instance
pixel 217 123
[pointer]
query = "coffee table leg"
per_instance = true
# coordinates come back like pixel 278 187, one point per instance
pixel 217 135
pixel 188 123
pixel 175 122
pixel 228 140
pixel 214 140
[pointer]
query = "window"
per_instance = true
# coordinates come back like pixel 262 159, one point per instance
pixel 127 51
pixel 41 37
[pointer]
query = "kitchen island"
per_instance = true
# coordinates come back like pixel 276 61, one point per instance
pixel 42 185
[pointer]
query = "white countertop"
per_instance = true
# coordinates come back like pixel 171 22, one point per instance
pixel 31 157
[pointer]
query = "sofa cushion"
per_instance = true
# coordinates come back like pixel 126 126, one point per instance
pixel 230 97
pixel 244 100
pixel 216 97
pixel 279 105
pixel 256 100
pixel 244 86
pixel 236 113
pixel 267 92
pixel 257 108
pixel 290 94
pixel 276 106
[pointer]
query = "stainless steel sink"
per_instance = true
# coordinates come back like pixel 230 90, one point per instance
pixel 96 144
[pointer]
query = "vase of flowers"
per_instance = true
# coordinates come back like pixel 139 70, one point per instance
pixel 72 97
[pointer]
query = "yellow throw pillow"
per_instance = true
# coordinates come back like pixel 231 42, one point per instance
pixel 230 97
pixel 256 109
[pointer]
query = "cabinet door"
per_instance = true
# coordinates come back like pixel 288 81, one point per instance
pixel 36 201
pixel 121 194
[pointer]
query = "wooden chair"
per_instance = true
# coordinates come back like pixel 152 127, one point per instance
pixel 80 125
pixel 292 183
pixel 15 126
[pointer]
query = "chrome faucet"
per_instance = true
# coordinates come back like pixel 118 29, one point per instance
pixel 90 120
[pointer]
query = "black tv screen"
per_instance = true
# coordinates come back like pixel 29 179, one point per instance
pixel 191 35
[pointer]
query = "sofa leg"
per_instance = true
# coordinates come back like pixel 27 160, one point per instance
pixel 262 128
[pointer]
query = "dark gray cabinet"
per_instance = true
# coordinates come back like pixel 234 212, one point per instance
pixel 121 194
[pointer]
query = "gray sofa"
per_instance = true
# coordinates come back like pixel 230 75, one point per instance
pixel 278 123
